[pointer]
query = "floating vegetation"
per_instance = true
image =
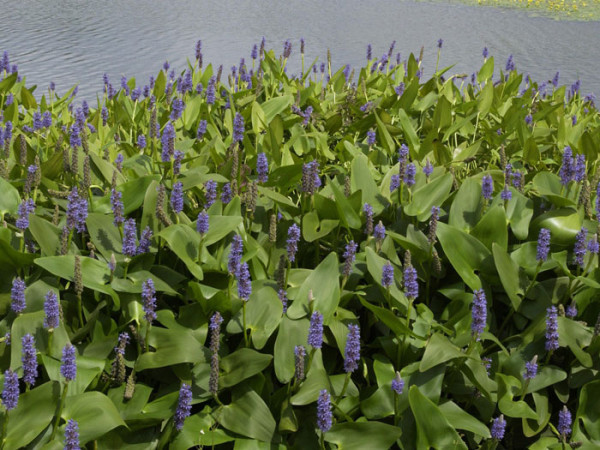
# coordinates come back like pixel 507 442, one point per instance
pixel 585 10
pixel 351 258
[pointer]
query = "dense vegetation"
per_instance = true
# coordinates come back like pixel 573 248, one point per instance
pixel 362 258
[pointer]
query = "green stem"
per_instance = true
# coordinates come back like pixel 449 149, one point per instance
pixel 346 381
pixel 4 427
pixel 50 336
pixel 146 346
pixel 396 400
pixel 244 322
pixel 79 311
pixel 59 411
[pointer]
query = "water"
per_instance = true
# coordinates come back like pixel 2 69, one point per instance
pixel 74 42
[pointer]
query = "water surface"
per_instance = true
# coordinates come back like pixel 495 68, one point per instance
pixel 75 41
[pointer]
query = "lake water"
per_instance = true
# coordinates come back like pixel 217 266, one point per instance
pixel 76 41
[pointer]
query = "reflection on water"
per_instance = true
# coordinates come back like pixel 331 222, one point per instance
pixel 76 41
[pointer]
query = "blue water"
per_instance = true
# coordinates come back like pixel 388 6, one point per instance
pixel 75 41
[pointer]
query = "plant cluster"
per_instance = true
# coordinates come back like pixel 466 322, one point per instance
pixel 355 258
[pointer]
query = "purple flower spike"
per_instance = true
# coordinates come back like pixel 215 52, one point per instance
pixel 168 142
pixel 498 427
pixel 201 129
pixel 315 330
pixel 145 241
pixel 10 392
pixel 117 206
pixel 68 368
pixel 371 138
pixel 52 310
pixel 564 421
pixel 579 168
pixel 72 435
pixel 244 282
pixel 149 300
pixel 184 406
pixel 593 246
pixel 262 168
pixel 387 276
pixel 580 249
pixel 226 194
pixel 552 328
pixel 352 354
pixel 17 295
pixel 129 238
pixel 531 369
pixel 324 416
pixel 398 384
pixel 478 313
pixel 349 257
pixel 566 170
pixel 202 222
pixel 411 285
pixel 25 208
pixel 235 255
pixel 394 182
pixel 177 158
pixel 543 245
pixel 29 359
pixel 238 128
pixel 292 241
pixel 210 193
pixel 409 176
pixel 428 169
pixel 177 197
pixel 368 210
pixel 487 187
pixel 379 231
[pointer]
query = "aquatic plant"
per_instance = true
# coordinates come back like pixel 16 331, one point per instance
pixel 274 211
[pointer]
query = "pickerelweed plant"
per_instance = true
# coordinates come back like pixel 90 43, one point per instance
pixel 355 257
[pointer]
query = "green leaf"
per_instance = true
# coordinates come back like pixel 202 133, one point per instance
pixel 104 234
pixel 508 387
pixel 10 199
pixel 508 270
pixel 485 99
pixel 242 364
pixel 263 315
pixel 428 195
pixel 486 71
pixel 345 210
pixel 134 192
pixel 462 420
pixel 492 228
pixel 324 284
pixel 185 243
pixel 276 106
pixel 384 136
pixel 95 414
pixel 312 229
pixel 34 412
pixel 199 430
pixel 248 416
pixel 94 273
pixel 587 412
pixel 409 132
pixel 563 224
pixel 438 351
pixel 464 251
pixel 576 336
pixel 433 429
pixel 170 347
pixel 362 435
pixel 388 318
pixel 259 120
pixel 466 205
pixel 291 333
pixel 46 235
pixel 361 179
